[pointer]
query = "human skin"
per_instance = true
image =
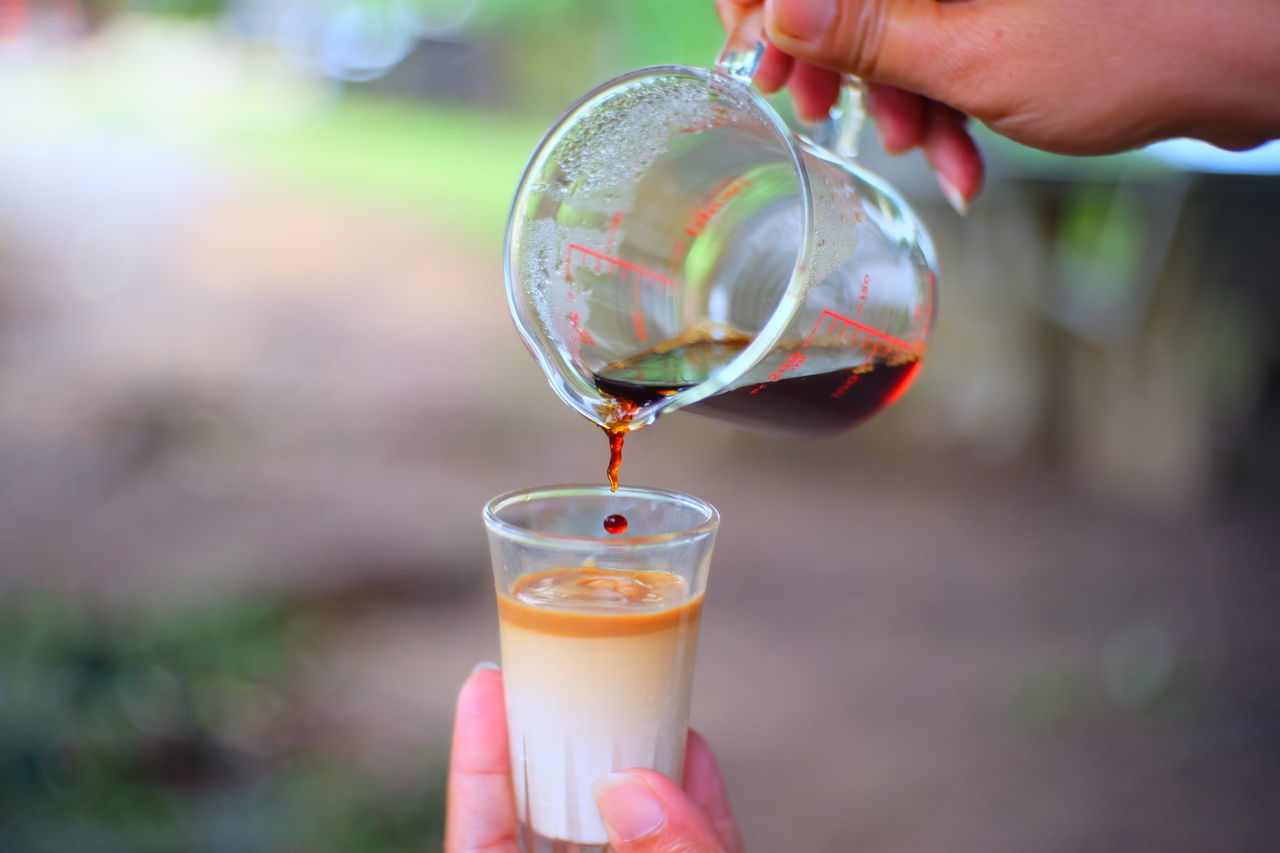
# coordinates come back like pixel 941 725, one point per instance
pixel 644 811
pixel 1085 77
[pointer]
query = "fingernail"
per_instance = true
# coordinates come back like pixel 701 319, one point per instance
pixel 483 665
pixel 954 197
pixel 803 20
pixel 628 806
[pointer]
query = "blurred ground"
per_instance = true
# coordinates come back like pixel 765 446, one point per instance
pixel 219 387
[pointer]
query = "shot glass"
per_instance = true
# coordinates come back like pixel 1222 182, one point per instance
pixel 598 633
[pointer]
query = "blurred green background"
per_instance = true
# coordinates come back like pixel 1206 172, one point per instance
pixel 257 379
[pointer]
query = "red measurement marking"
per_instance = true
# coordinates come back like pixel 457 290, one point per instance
pixel 854 330
pixel 583 334
pixel 614 225
pixel 719 197
pixel 793 361
pixel 848 383
pixel 637 321
pixel 600 262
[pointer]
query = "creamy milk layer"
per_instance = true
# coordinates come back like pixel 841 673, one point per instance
pixel 598 667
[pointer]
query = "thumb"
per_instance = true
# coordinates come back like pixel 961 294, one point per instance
pixel 645 812
pixel 901 42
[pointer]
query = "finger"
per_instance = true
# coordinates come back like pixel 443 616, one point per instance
pixel 900 42
pixel 953 155
pixel 775 68
pixel 899 116
pixel 481 811
pixel 813 90
pixel 645 812
pixel 705 786
pixel 731 11
pixel 730 7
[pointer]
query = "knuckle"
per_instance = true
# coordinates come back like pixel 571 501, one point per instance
pixel 859 35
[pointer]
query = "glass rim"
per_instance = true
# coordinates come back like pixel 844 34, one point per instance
pixel 516 532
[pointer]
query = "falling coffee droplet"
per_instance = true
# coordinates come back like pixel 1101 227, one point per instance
pixel 616 524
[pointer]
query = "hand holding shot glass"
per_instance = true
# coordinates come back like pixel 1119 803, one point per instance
pixel 598 635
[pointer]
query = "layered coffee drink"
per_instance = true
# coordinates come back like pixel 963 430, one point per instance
pixel 598 665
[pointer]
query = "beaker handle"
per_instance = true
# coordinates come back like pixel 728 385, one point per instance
pixel 839 133
pixel 740 59
pixel 744 48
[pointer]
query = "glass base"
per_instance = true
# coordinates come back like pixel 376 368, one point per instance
pixel 532 842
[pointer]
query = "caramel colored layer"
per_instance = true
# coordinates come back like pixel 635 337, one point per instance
pixel 628 614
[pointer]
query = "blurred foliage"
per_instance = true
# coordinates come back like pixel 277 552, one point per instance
pixel 180 731
pixel 640 33
pixel 557 51
pixel 625 33
pixel 174 7
pixel 455 167
pixel 1103 225
pixel 545 46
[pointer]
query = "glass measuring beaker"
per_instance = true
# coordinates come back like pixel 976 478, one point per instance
pixel 673 244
